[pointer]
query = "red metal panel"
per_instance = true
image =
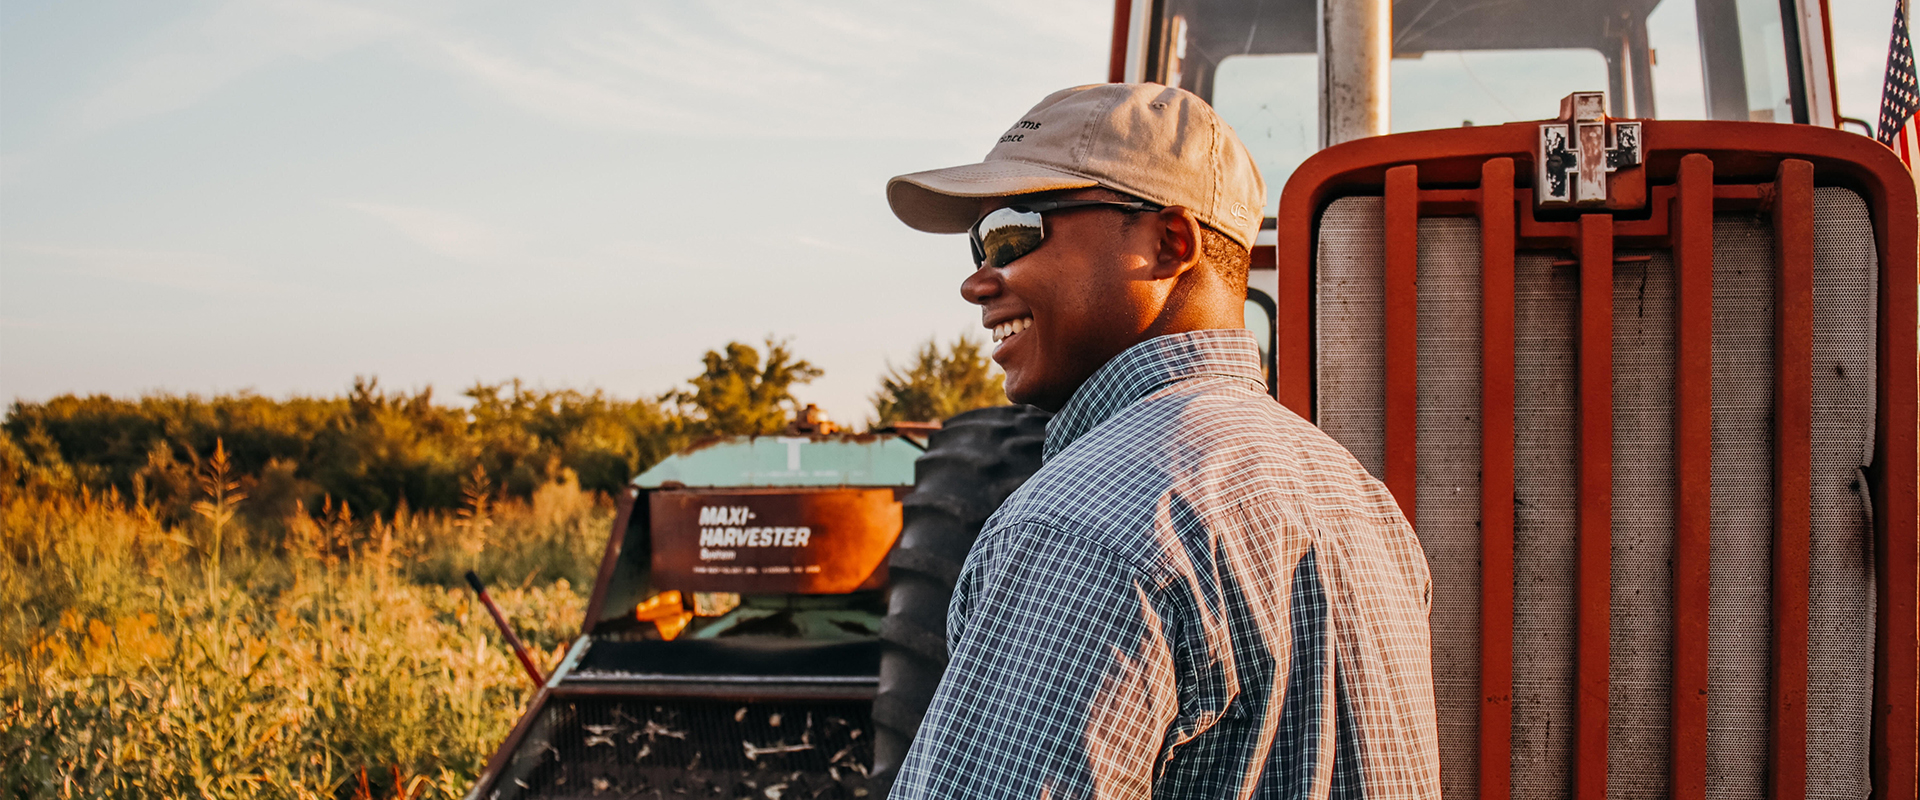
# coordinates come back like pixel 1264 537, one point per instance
pixel 1792 471
pixel 1402 320
pixel 1693 473
pixel 1742 153
pixel 782 540
pixel 1293 311
pixel 603 581
pixel 1496 479
pixel 1896 496
pixel 1117 52
pixel 1594 584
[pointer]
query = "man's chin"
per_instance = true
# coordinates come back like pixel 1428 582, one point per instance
pixel 1017 390
pixel 1025 393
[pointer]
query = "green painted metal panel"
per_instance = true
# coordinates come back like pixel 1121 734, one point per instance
pixel 865 460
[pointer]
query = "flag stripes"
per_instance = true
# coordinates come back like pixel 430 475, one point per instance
pixel 1902 93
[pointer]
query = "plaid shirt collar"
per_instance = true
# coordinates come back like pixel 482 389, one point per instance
pixel 1145 367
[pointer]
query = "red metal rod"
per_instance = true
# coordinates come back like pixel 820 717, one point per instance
pixel 1595 582
pixel 1792 476
pixel 1896 736
pixel 1117 51
pixel 1293 309
pixel 506 630
pixel 1692 474
pixel 1402 321
pixel 1496 478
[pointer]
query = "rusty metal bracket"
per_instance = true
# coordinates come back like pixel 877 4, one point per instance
pixel 1578 151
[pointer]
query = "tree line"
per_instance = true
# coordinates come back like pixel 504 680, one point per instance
pixel 375 450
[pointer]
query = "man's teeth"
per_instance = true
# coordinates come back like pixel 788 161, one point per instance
pixel 1011 327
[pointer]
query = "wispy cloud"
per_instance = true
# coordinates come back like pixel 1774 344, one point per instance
pixel 569 95
pixel 441 232
pixel 772 69
pixel 194 58
pixel 202 273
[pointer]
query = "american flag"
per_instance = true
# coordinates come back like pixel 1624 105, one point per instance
pixel 1902 94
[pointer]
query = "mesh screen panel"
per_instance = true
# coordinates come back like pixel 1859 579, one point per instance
pixel 1840 606
pixel 1349 383
pixel 1641 619
pixel 1448 493
pixel 1348 306
pixel 1448 432
pixel 1545 468
pixel 1741 595
pixel 677 747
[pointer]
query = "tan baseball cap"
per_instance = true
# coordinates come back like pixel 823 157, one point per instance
pixel 1158 143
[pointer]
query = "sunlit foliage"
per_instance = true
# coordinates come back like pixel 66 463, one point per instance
pixel 937 385
pixel 137 662
pixel 237 596
pixel 737 393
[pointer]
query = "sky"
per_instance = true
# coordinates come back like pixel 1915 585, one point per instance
pixel 281 195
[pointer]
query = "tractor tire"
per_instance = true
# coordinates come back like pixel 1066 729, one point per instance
pixel 972 464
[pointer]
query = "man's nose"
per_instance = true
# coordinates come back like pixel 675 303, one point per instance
pixel 983 285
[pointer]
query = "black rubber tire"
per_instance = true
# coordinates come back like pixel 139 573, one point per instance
pixel 972 463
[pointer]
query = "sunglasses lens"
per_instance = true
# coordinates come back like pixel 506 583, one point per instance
pixel 1005 235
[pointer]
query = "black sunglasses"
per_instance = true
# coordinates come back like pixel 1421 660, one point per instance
pixel 1005 234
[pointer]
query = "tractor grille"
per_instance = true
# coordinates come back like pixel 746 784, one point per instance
pixel 607 747
pixel 1351 405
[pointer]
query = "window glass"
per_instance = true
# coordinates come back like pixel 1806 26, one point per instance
pixel 1273 104
pixel 1479 62
pixel 1673 47
pixel 1272 101
pixel 1763 48
pixel 1450 89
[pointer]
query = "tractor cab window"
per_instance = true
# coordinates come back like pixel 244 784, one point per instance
pixel 1479 62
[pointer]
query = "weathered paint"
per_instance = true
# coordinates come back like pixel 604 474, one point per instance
pixel 773 541
pixel 1755 167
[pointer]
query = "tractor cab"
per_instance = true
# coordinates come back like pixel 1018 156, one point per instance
pixel 1598 290
pixel 1604 295
pixel 1411 65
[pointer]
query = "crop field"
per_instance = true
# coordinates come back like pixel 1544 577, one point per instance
pixel 238 596
pixel 141 657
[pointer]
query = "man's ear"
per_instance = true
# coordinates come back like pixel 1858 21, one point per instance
pixel 1179 245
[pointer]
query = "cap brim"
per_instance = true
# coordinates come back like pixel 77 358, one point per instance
pixel 948 200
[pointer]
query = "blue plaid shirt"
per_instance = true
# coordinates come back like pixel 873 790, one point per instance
pixel 1199 595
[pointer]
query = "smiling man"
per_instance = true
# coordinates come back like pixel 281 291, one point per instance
pixel 1199 595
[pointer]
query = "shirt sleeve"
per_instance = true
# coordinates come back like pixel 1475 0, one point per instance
pixel 1062 679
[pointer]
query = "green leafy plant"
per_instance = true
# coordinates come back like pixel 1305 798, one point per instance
pixel 739 394
pixel 936 385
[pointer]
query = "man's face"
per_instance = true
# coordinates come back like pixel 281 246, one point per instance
pixel 1064 310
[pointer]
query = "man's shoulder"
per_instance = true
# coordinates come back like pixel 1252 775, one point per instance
pixel 1199 445
pixel 1195 439
pixel 1178 430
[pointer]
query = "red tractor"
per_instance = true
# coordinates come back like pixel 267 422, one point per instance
pixel 1641 372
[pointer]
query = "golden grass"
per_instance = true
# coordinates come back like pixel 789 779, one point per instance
pixel 140 658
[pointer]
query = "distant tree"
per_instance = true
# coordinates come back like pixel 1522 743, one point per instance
pixel 374 450
pixel 737 394
pixel 525 435
pixel 939 385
